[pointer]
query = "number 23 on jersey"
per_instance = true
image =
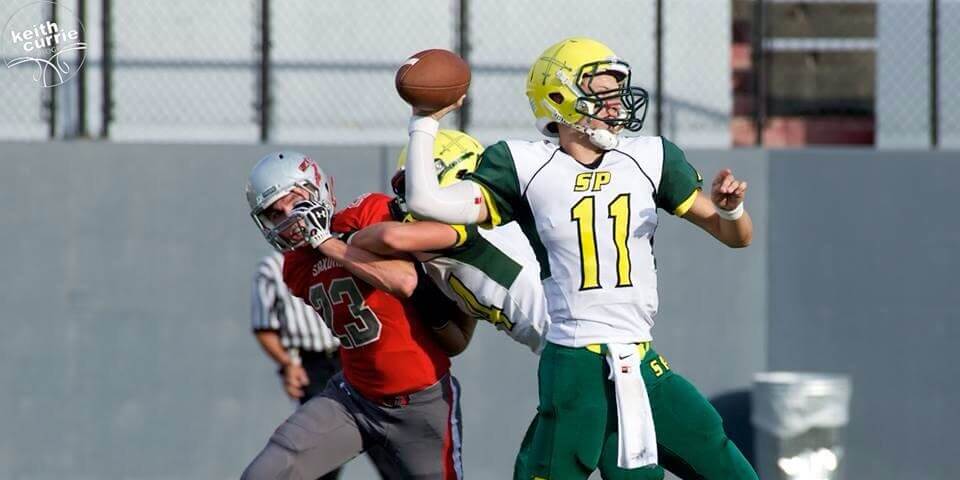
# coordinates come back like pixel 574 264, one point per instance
pixel 363 328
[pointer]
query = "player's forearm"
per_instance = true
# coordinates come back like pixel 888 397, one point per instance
pixel 392 238
pixel 396 277
pixel 451 339
pixel 459 203
pixel 269 340
pixel 374 239
pixel 736 233
pixel 705 214
pixel 454 337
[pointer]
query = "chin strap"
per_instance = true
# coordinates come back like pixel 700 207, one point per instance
pixel 599 137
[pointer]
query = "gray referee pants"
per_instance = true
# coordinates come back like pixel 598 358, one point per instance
pixel 420 432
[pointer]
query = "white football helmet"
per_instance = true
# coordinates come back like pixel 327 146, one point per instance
pixel 273 177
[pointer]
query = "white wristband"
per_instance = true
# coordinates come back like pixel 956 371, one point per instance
pixel 731 215
pixel 423 124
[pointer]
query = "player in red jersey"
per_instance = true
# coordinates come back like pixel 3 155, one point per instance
pixel 395 395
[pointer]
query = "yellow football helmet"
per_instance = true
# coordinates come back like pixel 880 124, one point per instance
pixel 555 93
pixel 454 155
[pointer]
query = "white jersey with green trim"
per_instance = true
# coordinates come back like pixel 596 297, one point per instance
pixel 497 279
pixel 594 228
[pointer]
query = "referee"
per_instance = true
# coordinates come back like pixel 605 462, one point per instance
pixel 297 339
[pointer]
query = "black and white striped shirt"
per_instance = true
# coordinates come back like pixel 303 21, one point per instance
pixel 273 307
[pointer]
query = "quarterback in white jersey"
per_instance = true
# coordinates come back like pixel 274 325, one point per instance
pixel 596 225
pixel 587 200
pixel 492 275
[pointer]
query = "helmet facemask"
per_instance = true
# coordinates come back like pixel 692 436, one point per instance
pixel 288 234
pixel 590 103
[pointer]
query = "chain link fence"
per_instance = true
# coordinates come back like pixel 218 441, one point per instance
pixel 695 101
pixel 903 74
pixel 501 53
pixel 850 71
pixel 25 114
pixel 697 81
pixel 949 74
pixel 332 67
pixel 183 70
pixel 819 69
pixel 26 110
pixel 918 73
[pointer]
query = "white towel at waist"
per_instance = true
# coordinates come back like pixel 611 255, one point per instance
pixel 638 439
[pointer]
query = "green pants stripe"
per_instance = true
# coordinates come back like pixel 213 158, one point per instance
pixel 575 431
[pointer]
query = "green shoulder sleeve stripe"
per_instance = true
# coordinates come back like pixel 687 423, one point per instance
pixel 679 181
pixel 490 260
pixel 497 176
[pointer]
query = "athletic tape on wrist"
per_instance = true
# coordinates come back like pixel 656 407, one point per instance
pixel 731 214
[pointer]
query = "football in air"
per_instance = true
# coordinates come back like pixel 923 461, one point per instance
pixel 432 79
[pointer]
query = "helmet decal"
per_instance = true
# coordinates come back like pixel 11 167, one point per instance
pixel 309 163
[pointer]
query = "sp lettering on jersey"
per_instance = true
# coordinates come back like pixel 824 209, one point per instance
pixel 592 181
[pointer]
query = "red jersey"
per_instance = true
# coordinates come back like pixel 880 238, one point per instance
pixel 384 347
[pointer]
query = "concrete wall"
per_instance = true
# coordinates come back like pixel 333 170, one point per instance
pixel 125 307
pixel 863 257
pixel 713 298
pixel 126 344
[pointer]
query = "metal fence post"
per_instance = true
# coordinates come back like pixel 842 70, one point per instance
pixel 759 70
pixel 264 103
pixel 107 101
pixel 51 91
pixel 82 75
pixel 463 49
pixel 658 82
pixel 934 73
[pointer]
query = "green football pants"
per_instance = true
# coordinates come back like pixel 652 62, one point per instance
pixel 575 430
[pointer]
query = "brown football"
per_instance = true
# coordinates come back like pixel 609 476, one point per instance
pixel 432 79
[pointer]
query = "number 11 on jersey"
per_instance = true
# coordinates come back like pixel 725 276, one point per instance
pixel 583 213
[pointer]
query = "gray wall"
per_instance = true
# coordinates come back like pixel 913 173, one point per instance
pixel 863 259
pixel 713 300
pixel 126 345
pixel 125 307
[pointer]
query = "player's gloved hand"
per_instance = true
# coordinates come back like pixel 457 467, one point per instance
pixel 316 219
